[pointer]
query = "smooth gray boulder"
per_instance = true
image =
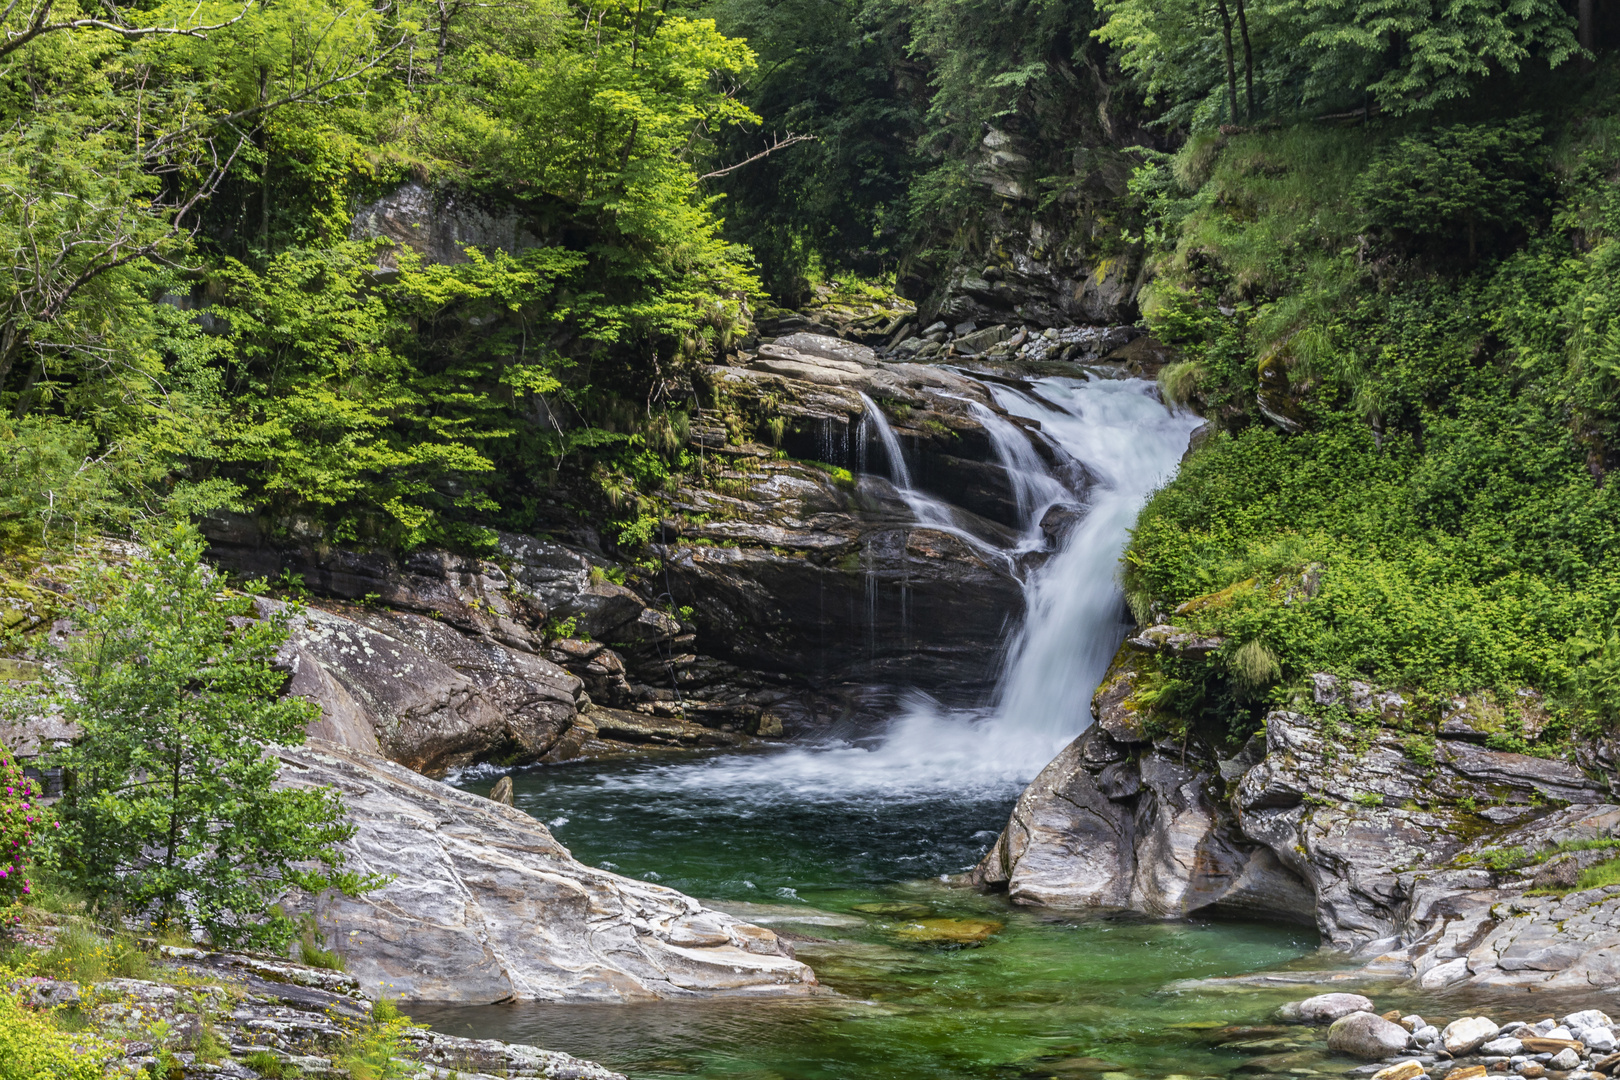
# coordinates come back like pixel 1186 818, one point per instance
pixel 1366 1035
pixel 484 905
pixel 1468 1034
pixel 1326 1008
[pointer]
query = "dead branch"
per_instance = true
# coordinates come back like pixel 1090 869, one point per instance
pixel 781 143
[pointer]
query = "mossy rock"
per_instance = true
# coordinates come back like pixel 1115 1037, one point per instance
pixel 898 908
pixel 949 931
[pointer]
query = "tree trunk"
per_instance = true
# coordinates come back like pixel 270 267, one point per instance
pixel 1586 28
pixel 444 40
pixel 1248 61
pixel 1231 68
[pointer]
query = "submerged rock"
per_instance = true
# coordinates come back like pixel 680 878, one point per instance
pixel 948 931
pixel 484 905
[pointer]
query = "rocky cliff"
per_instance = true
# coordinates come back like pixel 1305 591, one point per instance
pixel 1407 842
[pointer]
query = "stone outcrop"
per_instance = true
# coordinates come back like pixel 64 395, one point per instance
pixel 1042 268
pixel 441 225
pixel 484 905
pixel 270 1018
pixel 1416 849
pixel 446 659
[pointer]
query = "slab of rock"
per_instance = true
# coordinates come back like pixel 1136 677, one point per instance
pixel 1366 1035
pixel 1401 1070
pixel 1466 1035
pixel 486 906
pixel 424 694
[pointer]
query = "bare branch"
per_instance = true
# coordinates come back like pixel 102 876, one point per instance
pixel 16 39
pixel 781 143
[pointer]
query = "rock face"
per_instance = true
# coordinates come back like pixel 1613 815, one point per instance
pixel 1031 268
pixel 486 906
pixel 449 659
pixel 300 1017
pixel 440 225
pixel 817 565
pixel 1384 838
pixel 1117 824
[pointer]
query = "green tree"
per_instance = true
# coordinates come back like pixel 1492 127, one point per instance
pixel 1455 181
pixel 1400 55
pixel 171 811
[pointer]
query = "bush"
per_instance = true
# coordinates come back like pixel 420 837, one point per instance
pixel 22 821
pixel 32 1048
pixel 1458 181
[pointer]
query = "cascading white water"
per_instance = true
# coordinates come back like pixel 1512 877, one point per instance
pixel 1073 618
pixel 1129 443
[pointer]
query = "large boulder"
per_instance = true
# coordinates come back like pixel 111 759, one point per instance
pixel 484 905
pixel 1326 1008
pixel 1366 1035
pixel 1392 845
pixel 1120 825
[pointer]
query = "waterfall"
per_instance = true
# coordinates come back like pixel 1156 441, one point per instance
pixel 898 473
pixel 1117 432
pixel 928 510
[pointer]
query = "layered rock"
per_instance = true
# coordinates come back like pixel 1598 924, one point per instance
pixel 301 1019
pixel 484 905
pixel 1415 849
pixel 448 659
pixel 817 566
pixel 481 904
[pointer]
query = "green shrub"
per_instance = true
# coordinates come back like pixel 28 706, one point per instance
pixel 32 1047
pixel 1456 181
pixel 1599 876
pixel 173 817
pixel 81 955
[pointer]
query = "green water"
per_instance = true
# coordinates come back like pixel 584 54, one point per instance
pixel 790 841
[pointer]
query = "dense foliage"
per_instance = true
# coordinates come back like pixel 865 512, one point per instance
pixel 1383 238
pixel 32 1047
pixel 1403 337
pixel 189 318
pixel 170 815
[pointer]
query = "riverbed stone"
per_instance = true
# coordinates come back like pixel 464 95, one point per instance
pixel 1326 1008
pixel 1466 1035
pixel 1366 1035
pixel 1565 1059
pixel 1410 1069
